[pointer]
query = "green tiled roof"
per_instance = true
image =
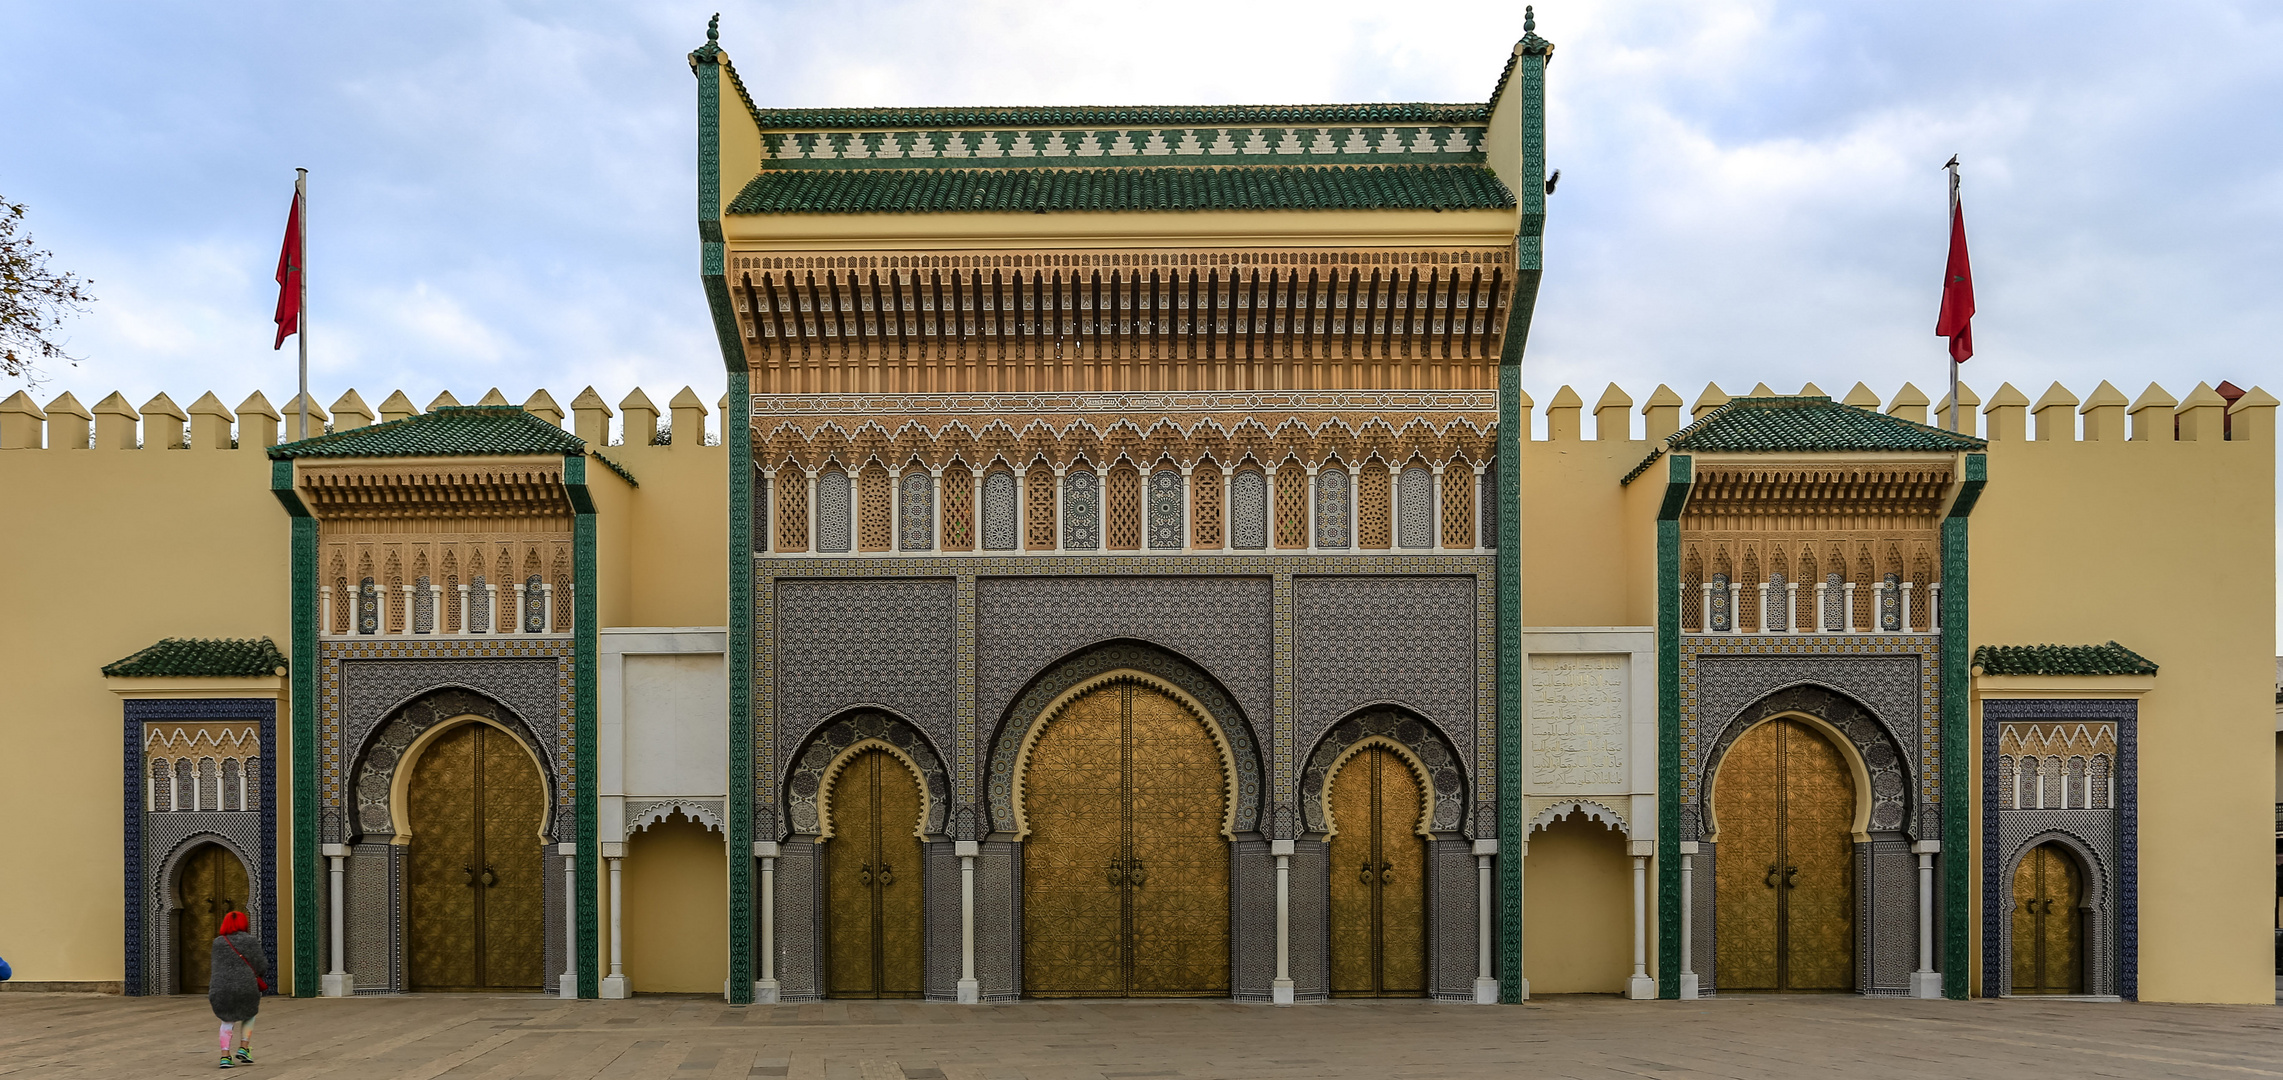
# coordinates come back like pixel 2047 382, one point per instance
pixel 1407 112
pixel 1810 423
pixel 227 658
pixel 1286 187
pixel 450 431
pixel 2109 659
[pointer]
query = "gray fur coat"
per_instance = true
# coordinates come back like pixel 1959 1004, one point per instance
pixel 231 988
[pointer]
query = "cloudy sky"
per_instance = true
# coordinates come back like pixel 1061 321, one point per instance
pixel 502 192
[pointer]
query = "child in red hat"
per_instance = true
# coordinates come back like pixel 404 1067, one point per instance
pixel 235 989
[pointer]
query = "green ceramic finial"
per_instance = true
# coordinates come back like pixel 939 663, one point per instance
pixel 1529 19
pixel 713 28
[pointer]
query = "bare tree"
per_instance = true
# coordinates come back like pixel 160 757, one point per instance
pixel 34 301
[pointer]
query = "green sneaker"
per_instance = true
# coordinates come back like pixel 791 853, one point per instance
pixel 226 1062
pixel 245 1055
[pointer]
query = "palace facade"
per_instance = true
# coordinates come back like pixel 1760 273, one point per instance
pixel 1123 562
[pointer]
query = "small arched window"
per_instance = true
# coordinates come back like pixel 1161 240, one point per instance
pixel 233 795
pixel 1248 510
pixel 999 511
pixel 915 526
pixel 2078 793
pixel 185 786
pixel 160 798
pixel 1415 508
pixel 833 523
pixel 2029 793
pixel 1167 529
pixel 1081 511
pixel 2007 767
pixel 1332 517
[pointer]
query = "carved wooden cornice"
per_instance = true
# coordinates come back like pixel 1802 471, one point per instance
pixel 1122 321
pixel 437 490
pixel 1816 497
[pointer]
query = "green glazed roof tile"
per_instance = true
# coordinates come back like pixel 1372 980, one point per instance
pixel 2109 659
pixel 1772 424
pixel 1285 187
pixel 1405 112
pixel 450 431
pixel 204 658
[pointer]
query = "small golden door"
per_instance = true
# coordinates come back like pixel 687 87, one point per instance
pixel 2048 945
pixel 873 911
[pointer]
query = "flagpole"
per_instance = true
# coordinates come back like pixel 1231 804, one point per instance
pixel 301 299
pixel 1953 361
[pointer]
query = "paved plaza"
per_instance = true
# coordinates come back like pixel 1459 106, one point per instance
pixel 500 1037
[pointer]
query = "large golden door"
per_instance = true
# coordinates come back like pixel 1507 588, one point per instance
pixel 474 914
pixel 213 884
pixel 2048 946
pixel 1379 879
pixel 1785 872
pixel 872 881
pixel 1125 872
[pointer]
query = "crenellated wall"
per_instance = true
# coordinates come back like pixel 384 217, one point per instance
pixel 2149 520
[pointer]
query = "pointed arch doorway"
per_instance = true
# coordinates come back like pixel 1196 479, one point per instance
pixel 475 886
pixel 2048 927
pixel 1125 797
pixel 212 884
pixel 1378 890
pixel 874 911
pixel 1785 797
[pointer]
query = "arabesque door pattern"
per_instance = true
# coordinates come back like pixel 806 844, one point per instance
pixel 213 885
pixel 1379 878
pixel 2048 942
pixel 873 911
pixel 474 915
pixel 1785 872
pixel 1125 869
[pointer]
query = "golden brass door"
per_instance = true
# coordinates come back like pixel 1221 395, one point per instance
pixel 474 912
pixel 1784 878
pixel 213 884
pixel 1125 872
pixel 1379 879
pixel 873 926
pixel 2048 944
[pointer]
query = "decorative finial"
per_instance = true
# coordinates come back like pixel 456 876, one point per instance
pixel 713 28
pixel 1529 19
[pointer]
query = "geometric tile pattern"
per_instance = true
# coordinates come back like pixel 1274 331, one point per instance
pixel 1407 642
pixel 883 643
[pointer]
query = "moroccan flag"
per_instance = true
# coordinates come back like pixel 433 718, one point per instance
pixel 289 277
pixel 1957 319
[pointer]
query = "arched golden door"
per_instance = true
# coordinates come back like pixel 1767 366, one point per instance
pixel 873 914
pixel 2048 944
pixel 1379 879
pixel 1785 803
pixel 1125 871
pixel 474 917
pixel 213 885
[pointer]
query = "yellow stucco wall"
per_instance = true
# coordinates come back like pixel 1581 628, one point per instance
pixel 105 552
pixel 2169 548
pixel 1577 909
pixel 676 922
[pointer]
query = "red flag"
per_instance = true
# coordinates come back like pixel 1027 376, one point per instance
pixel 1957 319
pixel 289 277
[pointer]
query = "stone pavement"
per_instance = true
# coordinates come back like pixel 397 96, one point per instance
pixel 423 1037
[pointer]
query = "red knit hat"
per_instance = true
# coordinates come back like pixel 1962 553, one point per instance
pixel 232 923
